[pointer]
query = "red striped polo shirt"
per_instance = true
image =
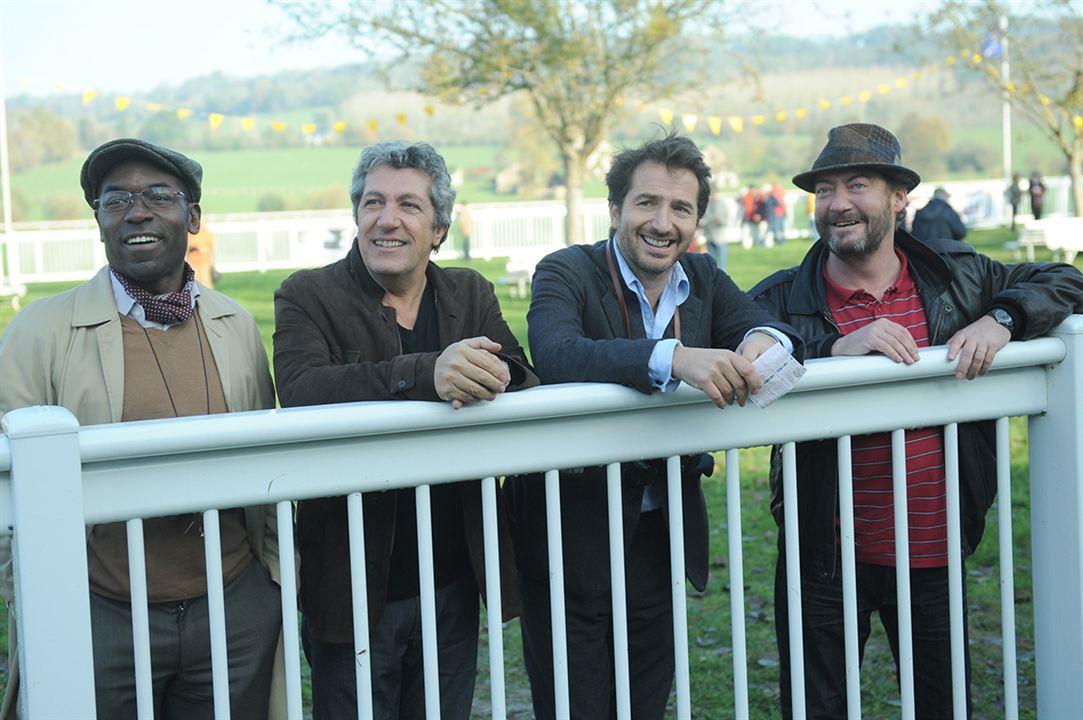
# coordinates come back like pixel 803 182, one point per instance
pixel 874 524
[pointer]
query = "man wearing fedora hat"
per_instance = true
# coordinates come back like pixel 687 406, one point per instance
pixel 142 340
pixel 869 287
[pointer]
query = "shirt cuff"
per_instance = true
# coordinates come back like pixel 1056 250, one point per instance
pixel 782 337
pixel 660 366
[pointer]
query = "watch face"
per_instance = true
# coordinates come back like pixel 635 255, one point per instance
pixel 1003 317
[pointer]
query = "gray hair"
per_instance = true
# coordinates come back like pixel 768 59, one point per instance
pixel 416 156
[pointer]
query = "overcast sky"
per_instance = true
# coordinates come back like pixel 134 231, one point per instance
pixel 130 46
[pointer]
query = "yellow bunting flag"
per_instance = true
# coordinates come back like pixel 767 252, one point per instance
pixel 340 126
pixel 864 96
pixel 215 120
pixel 759 119
pixel 900 82
pixel 88 96
pixel 153 106
pixel 846 100
pixel 883 89
pixel 248 123
pixel 737 123
pixel 825 104
pixel 1044 100
pixel 122 103
pixel 184 113
pixel 279 126
pixel 1010 86
pixel 618 101
pixel 780 116
pixel 800 113
pixel 372 126
pixel 1077 120
pixel 400 118
pixel 715 123
pixel 666 115
pixel 428 110
pixel 965 53
pixel 976 58
pixel 308 128
pixel 689 121
pixel 917 74
pixel 950 60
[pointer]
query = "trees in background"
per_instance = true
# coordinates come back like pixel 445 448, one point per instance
pixel 1045 52
pixel 578 62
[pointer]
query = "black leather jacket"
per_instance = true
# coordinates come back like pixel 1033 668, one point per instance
pixel 957 286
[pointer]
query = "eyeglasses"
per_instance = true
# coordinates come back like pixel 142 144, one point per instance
pixel 155 198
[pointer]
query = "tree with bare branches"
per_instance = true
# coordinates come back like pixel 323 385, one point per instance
pixel 577 61
pixel 1045 52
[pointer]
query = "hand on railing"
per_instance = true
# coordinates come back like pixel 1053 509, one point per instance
pixel 722 375
pixel 976 345
pixel 468 371
pixel 880 336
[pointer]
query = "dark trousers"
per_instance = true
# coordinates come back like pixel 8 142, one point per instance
pixel 822 618
pixel 592 687
pixel 180 651
pixel 398 680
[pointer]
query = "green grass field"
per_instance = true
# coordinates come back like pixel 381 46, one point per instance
pixel 709 613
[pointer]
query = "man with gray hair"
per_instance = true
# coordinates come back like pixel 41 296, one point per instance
pixel 385 323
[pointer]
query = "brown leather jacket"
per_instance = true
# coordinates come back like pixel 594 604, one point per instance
pixel 334 342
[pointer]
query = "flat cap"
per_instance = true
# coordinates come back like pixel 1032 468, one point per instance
pixel 105 157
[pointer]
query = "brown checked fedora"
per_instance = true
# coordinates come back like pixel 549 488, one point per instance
pixel 859 145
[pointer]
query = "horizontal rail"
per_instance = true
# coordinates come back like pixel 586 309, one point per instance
pixel 136 470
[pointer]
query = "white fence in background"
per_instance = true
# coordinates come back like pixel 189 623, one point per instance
pixel 522 231
pixel 55 477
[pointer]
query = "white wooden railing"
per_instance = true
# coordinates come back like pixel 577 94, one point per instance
pixel 55 477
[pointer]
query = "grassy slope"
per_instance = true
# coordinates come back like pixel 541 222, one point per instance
pixel 709 614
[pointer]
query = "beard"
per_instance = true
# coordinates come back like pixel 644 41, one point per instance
pixel 876 229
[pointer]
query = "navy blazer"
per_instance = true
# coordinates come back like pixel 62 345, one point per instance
pixel 577 334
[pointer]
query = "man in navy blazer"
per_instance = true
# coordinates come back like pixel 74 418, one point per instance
pixel 638 310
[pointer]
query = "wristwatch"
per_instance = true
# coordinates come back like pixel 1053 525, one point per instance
pixel 1004 318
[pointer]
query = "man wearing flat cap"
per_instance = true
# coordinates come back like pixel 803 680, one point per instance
pixel 868 287
pixel 142 340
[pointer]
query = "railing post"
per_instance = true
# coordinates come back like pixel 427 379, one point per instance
pixel 1056 506
pixel 52 594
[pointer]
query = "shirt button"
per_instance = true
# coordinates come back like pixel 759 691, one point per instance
pixel 402 383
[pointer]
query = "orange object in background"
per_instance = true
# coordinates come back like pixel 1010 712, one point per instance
pixel 201 256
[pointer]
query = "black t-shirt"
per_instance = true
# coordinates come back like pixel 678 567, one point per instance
pixel 451 560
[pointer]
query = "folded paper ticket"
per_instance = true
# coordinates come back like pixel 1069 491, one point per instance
pixel 779 371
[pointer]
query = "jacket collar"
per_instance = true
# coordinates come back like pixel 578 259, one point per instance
pixel 447 294
pixel 689 309
pixel 808 293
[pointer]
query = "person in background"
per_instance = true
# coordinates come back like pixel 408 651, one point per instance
pixel 714 225
pixel 466 229
pixel 774 210
pixel 1036 189
pixel 1014 195
pixel 938 219
pixel 201 255
pixel 752 216
pixel 868 287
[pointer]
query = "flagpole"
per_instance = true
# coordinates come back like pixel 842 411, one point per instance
pixel 1006 105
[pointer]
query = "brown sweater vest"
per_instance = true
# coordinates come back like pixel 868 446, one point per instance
pixel 162 368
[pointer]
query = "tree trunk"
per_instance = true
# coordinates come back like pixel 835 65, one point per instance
pixel 574 173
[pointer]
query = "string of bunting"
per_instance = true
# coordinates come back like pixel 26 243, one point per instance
pixel 715 123
pixel 738 123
